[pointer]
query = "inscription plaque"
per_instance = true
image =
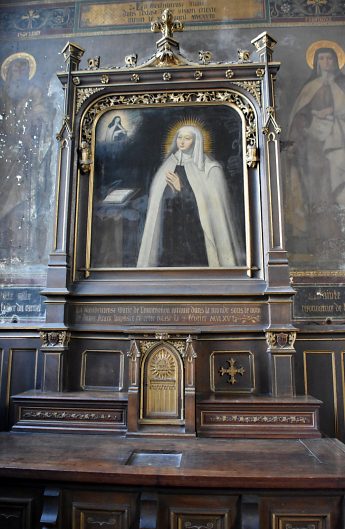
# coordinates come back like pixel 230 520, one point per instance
pixel 147 314
pixel 319 302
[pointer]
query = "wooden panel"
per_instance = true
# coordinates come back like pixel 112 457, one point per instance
pixel 200 511
pixel 91 515
pixel 96 507
pixel 320 382
pixel 307 512
pixel 22 372
pixel 102 370
pixel 232 371
pixel 16 513
pixel 300 521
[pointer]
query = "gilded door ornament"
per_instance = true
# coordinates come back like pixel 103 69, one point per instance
pixel 161 385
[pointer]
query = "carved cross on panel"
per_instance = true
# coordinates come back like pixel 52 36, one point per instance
pixel 232 371
pixel 167 25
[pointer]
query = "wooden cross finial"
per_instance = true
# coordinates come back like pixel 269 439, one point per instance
pixel 166 25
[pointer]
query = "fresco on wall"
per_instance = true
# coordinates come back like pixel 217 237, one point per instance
pixel 26 145
pixel 315 163
pixel 315 213
pixel 41 19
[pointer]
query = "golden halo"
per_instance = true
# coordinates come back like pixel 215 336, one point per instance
pixel 188 122
pixel 21 55
pixel 325 44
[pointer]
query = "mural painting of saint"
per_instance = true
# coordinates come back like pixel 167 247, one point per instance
pixel 317 145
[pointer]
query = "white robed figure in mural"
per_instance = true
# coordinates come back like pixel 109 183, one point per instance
pixel 189 221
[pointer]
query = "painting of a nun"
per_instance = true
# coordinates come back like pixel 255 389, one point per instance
pixel 189 217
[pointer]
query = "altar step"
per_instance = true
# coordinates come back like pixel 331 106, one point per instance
pixel 220 415
pixel 217 415
pixel 70 412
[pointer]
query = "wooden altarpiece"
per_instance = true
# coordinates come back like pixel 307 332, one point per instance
pixel 136 341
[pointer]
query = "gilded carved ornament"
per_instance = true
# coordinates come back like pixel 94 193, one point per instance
pixel 264 41
pixel 271 123
pixel 84 93
pixel 134 352
pixel 104 78
pixel 93 63
pixel 72 52
pixel 135 78
pixel 131 60
pixel 243 55
pixel 85 159
pixel 253 87
pixel 232 371
pixel 162 98
pixel 280 340
pixel 229 74
pixel 258 419
pixel 205 57
pixel 55 338
pixel 65 132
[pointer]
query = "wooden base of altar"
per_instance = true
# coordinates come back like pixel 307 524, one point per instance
pixel 217 415
pixel 84 481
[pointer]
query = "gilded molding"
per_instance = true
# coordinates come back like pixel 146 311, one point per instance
pixel 259 419
pixel 71 415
